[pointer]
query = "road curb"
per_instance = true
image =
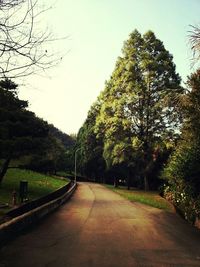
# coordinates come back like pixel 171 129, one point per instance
pixel 14 226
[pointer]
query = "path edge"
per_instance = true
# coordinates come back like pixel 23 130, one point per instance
pixel 11 228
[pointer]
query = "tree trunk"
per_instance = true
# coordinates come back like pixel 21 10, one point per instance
pixel 128 182
pixel 4 169
pixel 116 182
pixel 146 183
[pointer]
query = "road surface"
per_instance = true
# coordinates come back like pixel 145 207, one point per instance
pixel 98 228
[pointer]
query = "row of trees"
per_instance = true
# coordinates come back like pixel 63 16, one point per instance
pixel 134 120
pixel 145 127
pixel 23 136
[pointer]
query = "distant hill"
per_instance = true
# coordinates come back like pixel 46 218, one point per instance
pixel 66 140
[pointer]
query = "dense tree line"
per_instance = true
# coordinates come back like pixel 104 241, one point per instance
pixel 57 156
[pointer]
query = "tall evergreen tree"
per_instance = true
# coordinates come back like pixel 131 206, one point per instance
pixel 138 105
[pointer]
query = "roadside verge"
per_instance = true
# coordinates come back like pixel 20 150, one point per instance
pixel 17 224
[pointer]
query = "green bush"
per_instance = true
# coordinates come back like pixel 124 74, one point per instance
pixel 182 175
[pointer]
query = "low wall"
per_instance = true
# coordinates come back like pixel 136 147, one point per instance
pixel 38 202
pixel 15 225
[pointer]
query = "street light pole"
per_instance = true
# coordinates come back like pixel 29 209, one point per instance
pixel 75 164
pixel 146 183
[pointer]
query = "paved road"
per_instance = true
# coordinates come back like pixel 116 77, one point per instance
pixel 98 228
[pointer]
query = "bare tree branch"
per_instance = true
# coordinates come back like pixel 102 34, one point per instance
pixel 194 38
pixel 24 48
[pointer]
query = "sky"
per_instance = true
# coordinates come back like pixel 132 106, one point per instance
pixel 96 30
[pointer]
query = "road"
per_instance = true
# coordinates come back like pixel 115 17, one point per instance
pixel 98 228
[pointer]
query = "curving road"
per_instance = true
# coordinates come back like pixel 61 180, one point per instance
pixel 99 228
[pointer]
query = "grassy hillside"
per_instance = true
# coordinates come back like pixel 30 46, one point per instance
pixel 38 185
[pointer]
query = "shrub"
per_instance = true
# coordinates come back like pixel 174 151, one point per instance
pixel 183 183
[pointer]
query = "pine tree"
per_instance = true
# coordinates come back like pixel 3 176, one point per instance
pixel 21 132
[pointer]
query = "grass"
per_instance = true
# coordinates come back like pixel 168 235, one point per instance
pixel 38 185
pixel 63 173
pixel 151 198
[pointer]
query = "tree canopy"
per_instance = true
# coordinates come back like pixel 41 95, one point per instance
pixel 137 108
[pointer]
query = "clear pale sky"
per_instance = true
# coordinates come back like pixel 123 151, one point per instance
pixel 97 30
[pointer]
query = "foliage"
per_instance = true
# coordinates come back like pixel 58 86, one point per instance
pixel 90 160
pixel 66 140
pixel 183 169
pixel 55 155
pixel 136 112
pixel 22 133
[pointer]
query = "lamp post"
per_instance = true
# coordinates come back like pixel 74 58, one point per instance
pixel 75 163
pixel 147 74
